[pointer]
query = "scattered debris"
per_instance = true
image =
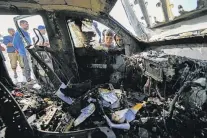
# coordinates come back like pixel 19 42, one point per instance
pixel 168 100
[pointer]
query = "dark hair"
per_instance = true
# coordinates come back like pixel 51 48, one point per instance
pixel 180 6
pixel 9 29
pixel 109 33
pixel 23 21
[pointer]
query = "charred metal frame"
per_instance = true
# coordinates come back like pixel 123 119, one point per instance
pixel 12 115
pixel 18 126
pixel 145 12
pixel 165 10
pixel 138 28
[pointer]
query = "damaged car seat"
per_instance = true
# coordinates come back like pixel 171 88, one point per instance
pixel 75 90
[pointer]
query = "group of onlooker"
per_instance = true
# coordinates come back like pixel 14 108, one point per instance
pixel 110 40
pixel 15 45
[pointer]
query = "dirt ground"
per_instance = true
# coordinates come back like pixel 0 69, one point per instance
pixel 20 78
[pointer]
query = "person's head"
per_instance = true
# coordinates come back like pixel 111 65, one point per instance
pixel 108 37
pixel 11 31
pixel 118 40
pixel 180 8
pixel 24 25
pixel 42 29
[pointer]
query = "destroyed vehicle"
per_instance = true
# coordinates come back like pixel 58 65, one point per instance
pixel 148 85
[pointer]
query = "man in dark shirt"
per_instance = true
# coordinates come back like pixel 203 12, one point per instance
pixel 12 53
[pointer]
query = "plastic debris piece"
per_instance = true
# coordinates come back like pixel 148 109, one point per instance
pixel 109 97
pixel 201 81
pixel 119 116
pixel 66 99
pixel 125 126
pixel 131 114
pixel 85 113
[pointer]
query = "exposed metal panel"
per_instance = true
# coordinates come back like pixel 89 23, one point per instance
pixel 79 3
pixel 20 5
pixel 68 8
pixel 89 5
pixel 51 2
pixel 96 5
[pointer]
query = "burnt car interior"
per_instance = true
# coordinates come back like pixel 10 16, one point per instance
pixel 134 90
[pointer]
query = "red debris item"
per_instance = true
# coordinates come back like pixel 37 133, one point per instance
pixel 17 93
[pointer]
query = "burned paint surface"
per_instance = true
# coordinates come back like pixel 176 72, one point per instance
pixel 74 5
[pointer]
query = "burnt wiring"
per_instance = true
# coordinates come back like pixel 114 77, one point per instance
pixel 186 70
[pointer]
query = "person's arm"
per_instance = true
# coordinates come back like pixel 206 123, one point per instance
pixel 7 42
pixel 16 41
pixel 2 48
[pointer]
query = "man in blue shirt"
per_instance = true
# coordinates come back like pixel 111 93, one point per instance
pixel 13 55
pixel 19 45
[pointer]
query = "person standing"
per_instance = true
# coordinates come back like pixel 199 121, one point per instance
pixel 42 30
pixel 12 53
pixel 20 47
pixel 108 39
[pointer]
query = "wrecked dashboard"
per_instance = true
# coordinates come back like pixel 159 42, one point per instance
pixel 156 95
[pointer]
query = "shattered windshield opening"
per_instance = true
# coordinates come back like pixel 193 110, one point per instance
pixel 158 13
pixel 118 13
